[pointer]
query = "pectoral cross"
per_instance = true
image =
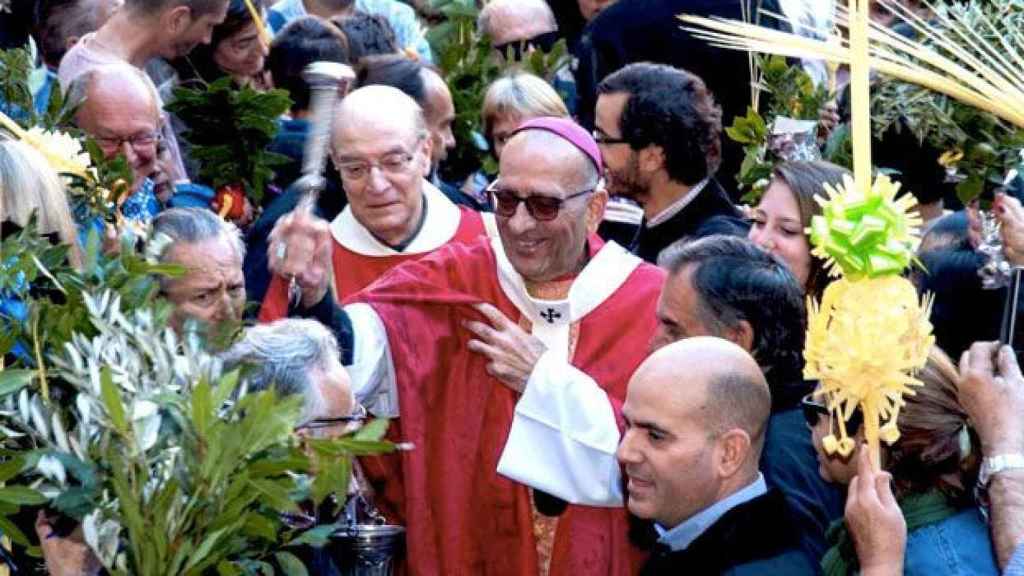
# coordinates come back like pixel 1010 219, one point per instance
pixel 550 315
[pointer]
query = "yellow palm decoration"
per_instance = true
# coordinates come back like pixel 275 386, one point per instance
pixel 870 334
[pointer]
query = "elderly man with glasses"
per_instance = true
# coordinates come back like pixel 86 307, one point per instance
pixel 382 150
pixel 119 109
pixel 455 343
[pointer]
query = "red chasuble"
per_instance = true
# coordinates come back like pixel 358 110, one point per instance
pixel 359 259
pixel 462 517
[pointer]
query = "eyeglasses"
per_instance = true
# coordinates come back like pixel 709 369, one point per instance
pixel 605 139
pixel 814 410
pixel 143 140
pixel 541 208
pixel 395 164
pixel 514 50
pixel 321 423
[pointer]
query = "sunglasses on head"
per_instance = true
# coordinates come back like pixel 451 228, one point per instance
pixel 543 42
pixel 814 410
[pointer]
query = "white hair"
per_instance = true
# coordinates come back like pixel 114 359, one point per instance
pixel 285 354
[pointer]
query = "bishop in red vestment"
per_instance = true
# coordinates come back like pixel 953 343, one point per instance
pixel 443 342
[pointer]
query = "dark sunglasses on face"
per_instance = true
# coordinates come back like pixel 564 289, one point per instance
pixel 814 410
pixel 543 42
pixel 541 208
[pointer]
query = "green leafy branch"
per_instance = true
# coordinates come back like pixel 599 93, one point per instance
pixel 792 94
pixel 230 128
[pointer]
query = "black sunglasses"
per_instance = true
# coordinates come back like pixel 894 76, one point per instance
pixel 814 410
pixel 514 50
pixel 541 208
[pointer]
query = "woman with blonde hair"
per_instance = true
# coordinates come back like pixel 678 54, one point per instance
pixel 514 99
pixel 28 184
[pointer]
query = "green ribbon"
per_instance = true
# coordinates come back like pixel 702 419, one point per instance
pixel 865 237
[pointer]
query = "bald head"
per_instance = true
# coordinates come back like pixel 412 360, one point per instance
pixel 715 374
pixel 696 412
pixel 376 110
pixel 115 87
pixel 507 21
pixel 577 170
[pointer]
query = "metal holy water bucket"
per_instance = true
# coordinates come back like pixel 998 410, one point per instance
pixel 367 549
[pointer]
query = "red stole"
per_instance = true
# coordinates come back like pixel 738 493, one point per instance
pixel 461 516
pixel 354 271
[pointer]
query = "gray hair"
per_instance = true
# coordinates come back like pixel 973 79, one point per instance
pixel 194 225
pixel 283 354
pixel 189 226
pixel 536 11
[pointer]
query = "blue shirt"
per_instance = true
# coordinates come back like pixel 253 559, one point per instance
pixel 957 546
pixel 142 206
pixel 41 98
pixel 680 537
pixel 401 17
pixel 1016 565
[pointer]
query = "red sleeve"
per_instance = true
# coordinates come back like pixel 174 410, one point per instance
pixel 275 303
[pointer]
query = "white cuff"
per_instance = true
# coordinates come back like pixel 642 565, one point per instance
pixel 372 370
pixel 564 437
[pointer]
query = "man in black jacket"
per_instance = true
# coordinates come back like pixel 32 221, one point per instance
pixel 631 31
pixel 659 130
pixel 690 452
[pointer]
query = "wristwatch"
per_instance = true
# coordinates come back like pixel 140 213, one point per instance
pixel 993 465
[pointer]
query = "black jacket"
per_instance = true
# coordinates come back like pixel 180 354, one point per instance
pixel 711 201
pixel 754 538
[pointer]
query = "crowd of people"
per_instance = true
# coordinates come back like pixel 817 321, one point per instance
pixel 596 351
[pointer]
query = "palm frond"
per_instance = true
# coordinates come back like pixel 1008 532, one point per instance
pixel 962 53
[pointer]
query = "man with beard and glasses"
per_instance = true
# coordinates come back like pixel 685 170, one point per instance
pixel 660 133
pixel 140 31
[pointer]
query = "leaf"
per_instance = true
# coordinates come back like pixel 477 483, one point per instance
pixel 970 188
pixel 21 495
pixel 291 565
pixel 275 494
pixel 112 401
pixel 10 529
pixel 225 568
pixel 225 388
pixel 332 478
pixel 75 502
pixel 373 430
pixel 317 537
pixel 13 380
pixel 199 555
pixel 202 408
pixel 11 468
pixel 260 526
